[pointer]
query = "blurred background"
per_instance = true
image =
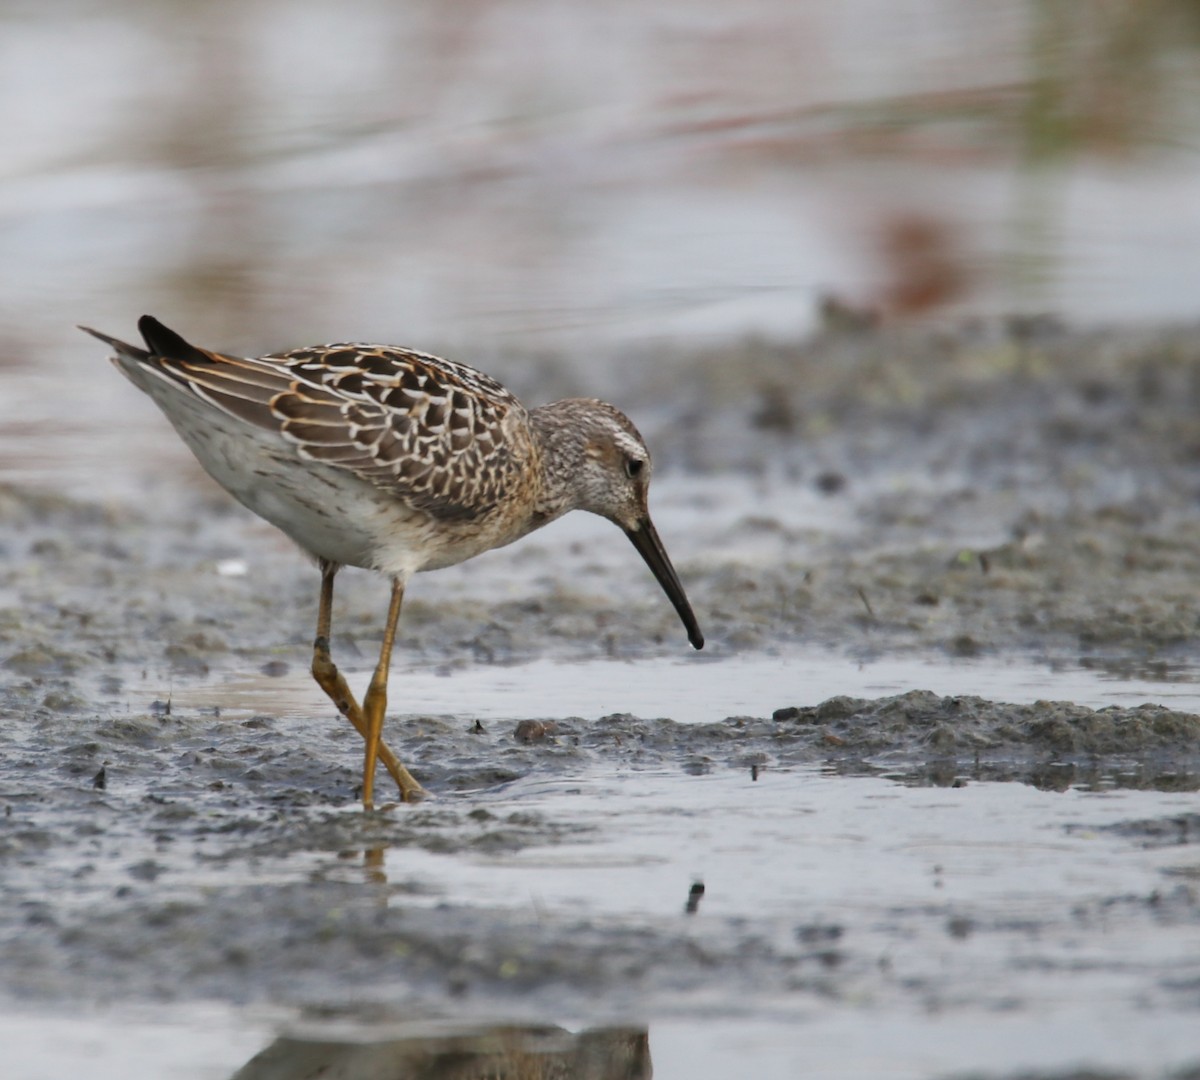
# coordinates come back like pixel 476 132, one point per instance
pixel 547 188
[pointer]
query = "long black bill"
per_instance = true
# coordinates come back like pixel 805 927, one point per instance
pixel 646 540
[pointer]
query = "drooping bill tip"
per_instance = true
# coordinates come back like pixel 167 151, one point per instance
pixel 645 538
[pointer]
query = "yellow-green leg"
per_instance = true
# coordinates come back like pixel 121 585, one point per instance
pixel 375 700
pixel 330 680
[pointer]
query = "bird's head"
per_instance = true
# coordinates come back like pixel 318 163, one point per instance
pixel 607 472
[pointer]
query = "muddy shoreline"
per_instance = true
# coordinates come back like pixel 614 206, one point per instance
pixel 965 495
pixel 155 857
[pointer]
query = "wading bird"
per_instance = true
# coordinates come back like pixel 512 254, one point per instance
pixel 395 461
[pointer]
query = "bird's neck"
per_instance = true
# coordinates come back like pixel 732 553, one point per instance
pixel 561 445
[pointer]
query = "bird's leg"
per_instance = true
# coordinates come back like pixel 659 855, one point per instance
pixel 333 683
pixel 375 701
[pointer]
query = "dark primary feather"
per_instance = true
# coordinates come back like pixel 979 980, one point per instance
pixel 163 341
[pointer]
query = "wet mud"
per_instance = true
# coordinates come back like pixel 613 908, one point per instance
pixel 174 856
pixel 970 495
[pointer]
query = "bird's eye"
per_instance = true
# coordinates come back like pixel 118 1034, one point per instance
pixel 634 466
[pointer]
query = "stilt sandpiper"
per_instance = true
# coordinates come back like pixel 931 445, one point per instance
pixel 396 461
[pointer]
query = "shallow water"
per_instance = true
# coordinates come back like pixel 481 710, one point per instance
pixel 688 690
pixel 992 927
pixel 741 164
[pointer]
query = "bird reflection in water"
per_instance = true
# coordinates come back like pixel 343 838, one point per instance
pixel 444 1052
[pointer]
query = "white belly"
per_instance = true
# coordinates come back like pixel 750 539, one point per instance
pixel 328 511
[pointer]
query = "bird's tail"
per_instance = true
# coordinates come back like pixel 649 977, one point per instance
pixel 160 341
pixel 122 348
